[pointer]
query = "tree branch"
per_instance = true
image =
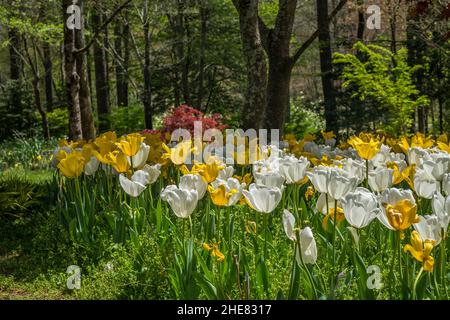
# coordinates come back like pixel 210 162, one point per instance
pixel 313 37
pixel 265 33
pixel 103 26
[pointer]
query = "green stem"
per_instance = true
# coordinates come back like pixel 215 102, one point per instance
pixel 415 284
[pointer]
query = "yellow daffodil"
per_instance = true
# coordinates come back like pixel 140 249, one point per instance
pixel 72 165
pixel 366 147
pixel 130 144
pixel 402 215
pixel 421 250
pixel 215 252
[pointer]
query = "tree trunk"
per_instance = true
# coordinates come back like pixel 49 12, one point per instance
pixel 147 91
pixel 121 44
pixel 42 113
pixel 87 118
pixel 203 32
pixel 256 97
pixel 101 79
pixel 416 48
pixel 48 76
pixel 326 67
pixel 72 79
pixel 361 21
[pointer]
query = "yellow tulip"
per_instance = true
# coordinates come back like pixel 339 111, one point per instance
pixel 220 197
pixel 339 217
pixel 402 215
pixel 120 163
pixel 367 149
pixel 328 135
pixel 130 144
pixel 179 154
pixel 421 250
pixel 209 172
pixel 215 252
pixel 72 165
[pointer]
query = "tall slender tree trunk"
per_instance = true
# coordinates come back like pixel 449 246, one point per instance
pixel 101 78
pixel 203 33
pixel 147 91
pixel 121 33
pixel 48 76
pixel 72 79
pixel 81 120
pixel 326 67
pixel 256 97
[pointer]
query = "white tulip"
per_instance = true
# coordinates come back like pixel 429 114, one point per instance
pixel 226 173
pixel 437 165
pixel 441 208
pixel 360 208
pixel 416 155
pixel 429 228
pixel 320 178
pixel 289 225
pixel 183 202
pixel 392 197
pixel 262 198
pixel 293 169
pixel 382 157
pixel 380 179
pixel 153 172
pixel 424 185
pixel 340 183
pixel 269 179
pixel 308 246
pixel 140 158
pixel 191 182
pixel 356 168
pixel 91 167
pixel 136 185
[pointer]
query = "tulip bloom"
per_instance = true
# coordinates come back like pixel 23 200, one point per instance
pixel 140 158
pixel 183 202
pixel 429 228
pixel 360 208
pixel 424 185
pixel 441 208
pixel 399 211
pixel 130 144
pixel 72 165
pixel 136 185
pixel 226 193
pixel 381 179
pixel 262 198
pixel 421 251
pixel 293 169
pixel 192 182
pixel 366 149
pixel 308 246
pixel 289 225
